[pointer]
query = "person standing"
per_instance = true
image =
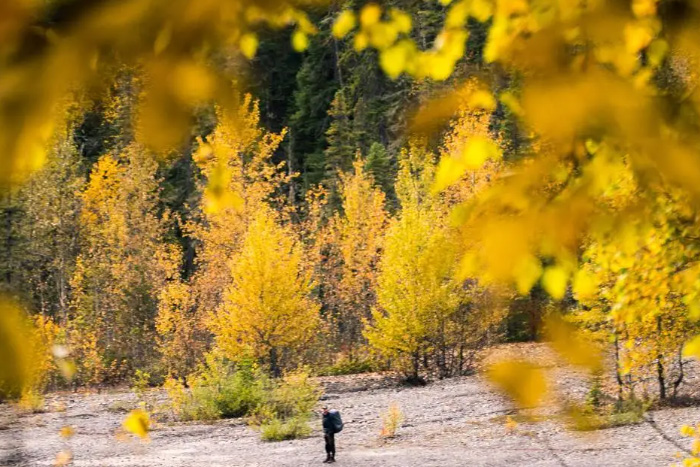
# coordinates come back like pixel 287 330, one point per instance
pixel 332 424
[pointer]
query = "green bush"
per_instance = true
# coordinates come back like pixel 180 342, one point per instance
pixel 218 390
pixel 627 412
pixel 287 408
pixel 348 367
pixel 276 429
pixel 280 408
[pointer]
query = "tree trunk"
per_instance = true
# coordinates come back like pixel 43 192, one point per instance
pixel 660 366
pixel 681 373
pixel 274 363
pixel 618 376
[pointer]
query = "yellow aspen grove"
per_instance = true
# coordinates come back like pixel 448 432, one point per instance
pixel 241 178
pixel 632 286
pixel 120 270
pixel 417 292
pixel 357 234
pixel 182 335
pixel 267 312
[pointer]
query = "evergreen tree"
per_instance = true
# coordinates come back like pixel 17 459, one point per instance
pixel 379 165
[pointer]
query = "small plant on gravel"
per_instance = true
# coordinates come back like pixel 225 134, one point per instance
pixel 31 401
pixel 276 429
pixel 347 366
pixel 140 384
pixel 595 394
pixel 287 408
pixel 626 412
pixel 120 406
pixel 392 420
pixel 218 390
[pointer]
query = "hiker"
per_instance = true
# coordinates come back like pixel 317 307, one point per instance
pixel 332 424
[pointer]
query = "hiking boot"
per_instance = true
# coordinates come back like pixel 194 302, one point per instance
pixel 328 460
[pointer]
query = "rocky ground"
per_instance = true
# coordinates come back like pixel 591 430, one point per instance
pixel 456 422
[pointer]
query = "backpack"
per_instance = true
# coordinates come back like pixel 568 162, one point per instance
pixel 337 422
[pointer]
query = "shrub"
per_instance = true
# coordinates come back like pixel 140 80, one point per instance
pixel 287 408
pixel 276 429
pixel 218 390
pixel 392 420
pixel 626 412
pixel 279 408
pixel 296 395
pixel 347 366
pixel 31 401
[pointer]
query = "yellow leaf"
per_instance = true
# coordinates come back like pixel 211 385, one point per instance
pixel 584 286
pixel 524 382
pixel 163 39
pixel 63 458
pixel 360 42
pixel 637 36
pixel 393 60
pixel 218 195
pixel 657 51
pixel 193 82
pixel 441 66
pixel 687 430
pixel 527 272
pixel 382 35
pixel 15 353
pixel 300 41
pixel 567 341
pixel 511 424
pixel 249 45
pixel 402 20
pixel 67 368
pixel 450 169
pixel 692 348
pixel 644 7
pixel 457 15
pixel 138 423
pixel 67 431
pixel 478 150
pixel 370 14
pixel 509 100
pixel 554 281
pixel 344 23
pixel 481 10
pixel 482 99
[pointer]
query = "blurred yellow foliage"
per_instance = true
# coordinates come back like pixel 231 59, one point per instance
pixel 63 458
pixel 344 23
pixel 67 431
pixel 16 364
pixel 138 423
pixel 522 381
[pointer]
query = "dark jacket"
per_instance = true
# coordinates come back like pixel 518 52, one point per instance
pixel 332 423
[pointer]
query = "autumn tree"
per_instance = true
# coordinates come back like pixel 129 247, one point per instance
pixel 239 178
pixel 352 252
pixel 44 230
pixel 633 284
pixel 123 264
pixel 267 312
pixel 417 293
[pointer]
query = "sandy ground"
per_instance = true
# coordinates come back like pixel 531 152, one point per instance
pixel 456 422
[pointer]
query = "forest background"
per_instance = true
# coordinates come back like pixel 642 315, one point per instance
pixel 396 187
